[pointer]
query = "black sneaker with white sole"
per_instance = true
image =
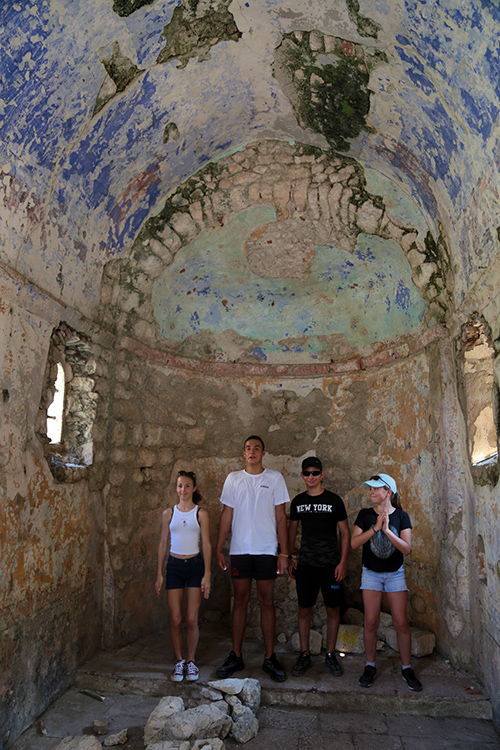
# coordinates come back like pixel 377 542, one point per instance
pixel 411 680
pixel 366 679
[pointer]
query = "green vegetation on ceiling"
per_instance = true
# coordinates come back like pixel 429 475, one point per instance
pixel 327 79
pixel 188 36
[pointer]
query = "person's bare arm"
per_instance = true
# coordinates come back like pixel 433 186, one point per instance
pixel 345 537
pixel 162 547
pixel 225 520
pixel 207 551
pixel 281 527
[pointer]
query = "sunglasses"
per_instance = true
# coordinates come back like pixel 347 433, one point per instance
pixel 377 478
pixel 311 473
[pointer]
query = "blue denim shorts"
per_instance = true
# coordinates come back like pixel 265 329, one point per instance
pixel 390 582
pixel 184 572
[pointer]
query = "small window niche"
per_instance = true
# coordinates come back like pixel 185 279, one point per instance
pixel 480 393
pixel 68 405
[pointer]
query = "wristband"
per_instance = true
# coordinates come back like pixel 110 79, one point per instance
pixel 282 554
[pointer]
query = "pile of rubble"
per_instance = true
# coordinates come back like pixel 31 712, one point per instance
pixel 225 708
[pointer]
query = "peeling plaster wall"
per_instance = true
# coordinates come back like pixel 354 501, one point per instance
pixel 51 542
pixel 359 423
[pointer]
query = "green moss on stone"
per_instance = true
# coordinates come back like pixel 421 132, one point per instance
pixel 365 26
pixel 188 37
pixel 125 8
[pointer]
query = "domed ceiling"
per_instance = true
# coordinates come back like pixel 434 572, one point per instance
pixel 263 181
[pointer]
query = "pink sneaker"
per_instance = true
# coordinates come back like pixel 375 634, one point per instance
pixel 178 673
pixel 192 671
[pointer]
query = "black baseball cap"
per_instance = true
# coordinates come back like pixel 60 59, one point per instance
pixel 312 461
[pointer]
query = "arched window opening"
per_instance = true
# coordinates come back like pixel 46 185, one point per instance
pixel 69 404
pixel 480 392
pixel 56 409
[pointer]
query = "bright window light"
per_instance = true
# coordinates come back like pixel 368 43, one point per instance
pixel 55 410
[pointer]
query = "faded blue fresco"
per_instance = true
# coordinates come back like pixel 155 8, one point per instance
pixel 368 296
pixel 92 181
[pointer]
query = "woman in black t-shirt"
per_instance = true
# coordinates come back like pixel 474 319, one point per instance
pixel 384 531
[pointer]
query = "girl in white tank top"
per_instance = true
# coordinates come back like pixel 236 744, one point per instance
pixel 188 569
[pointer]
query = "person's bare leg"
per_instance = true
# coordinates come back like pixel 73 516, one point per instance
pixel 397 602
pixel 332 628
pixel 304 627
pixel 174 598
pixel 242 589
pixel 371 601
pixel 193 601
pixel 265 595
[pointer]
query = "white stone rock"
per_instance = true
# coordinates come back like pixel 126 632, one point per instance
pixel 119 738
pixel 251 694
pixel 198 723
pixel 350 639
pixel 166 708
pixel 169 745
pixel 315 642
pixel 231 686
pixel 79 743
pixel 384 624
pixel 232 700
pixel 213 743
pixel 422 642
pixel 246 727
pixel 213 695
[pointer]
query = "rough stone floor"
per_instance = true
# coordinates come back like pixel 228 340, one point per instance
pixel 313 712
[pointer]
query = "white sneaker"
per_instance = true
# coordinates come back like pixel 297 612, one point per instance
pixel 178 673
pixel 192 671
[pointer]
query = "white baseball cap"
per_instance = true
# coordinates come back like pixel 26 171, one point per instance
pixel 382 480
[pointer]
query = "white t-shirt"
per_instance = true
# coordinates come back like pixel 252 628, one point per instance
pixel 253 498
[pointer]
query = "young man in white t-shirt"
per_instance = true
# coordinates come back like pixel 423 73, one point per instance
pixel 254 511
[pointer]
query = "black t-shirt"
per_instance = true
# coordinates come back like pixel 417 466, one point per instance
pixel 379 553
pixel 318 515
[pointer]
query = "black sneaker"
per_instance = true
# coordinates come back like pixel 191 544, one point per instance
pixel 411 680
pixel 232 664
pixel 274 669
pixel 302 664
pixel 332 664
pixel 366 679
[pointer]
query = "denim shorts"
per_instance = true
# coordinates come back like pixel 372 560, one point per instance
pixel 389 582
pixel 184 572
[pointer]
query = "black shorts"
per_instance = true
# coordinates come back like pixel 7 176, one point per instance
pixel 260 567
pixel 309 580
pixel 184 572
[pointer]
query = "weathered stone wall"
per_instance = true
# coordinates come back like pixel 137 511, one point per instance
pixel 51 540
pixel 163 418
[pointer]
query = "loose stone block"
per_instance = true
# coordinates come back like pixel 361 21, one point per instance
pixel 315 642
pixel 231 686
pixel 246 727
pixel 384 624
pixel 353 617
pixel 350 639
pixel 169 745
pixel 201 722
pixel 166 708
pixel 119 738
pixel 251 694
pixel 213 743
pixel 422 642
pixel 79 743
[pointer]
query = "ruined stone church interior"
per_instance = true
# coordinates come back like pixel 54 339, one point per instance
pixel 233 217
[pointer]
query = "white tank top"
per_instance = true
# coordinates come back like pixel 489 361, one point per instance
pixel 184 532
